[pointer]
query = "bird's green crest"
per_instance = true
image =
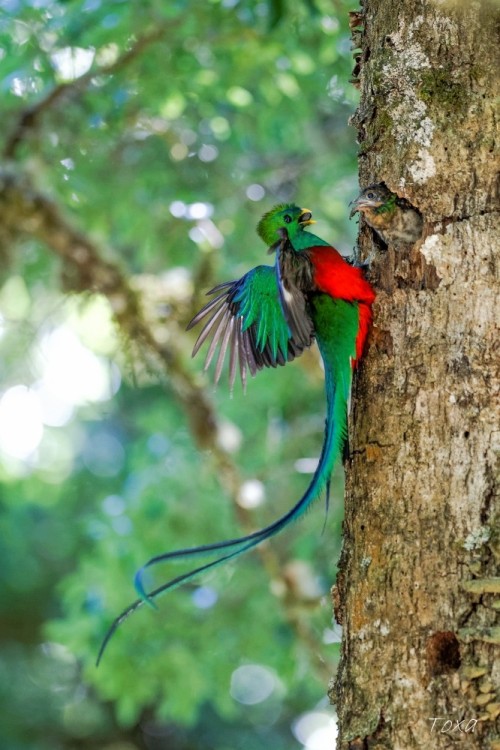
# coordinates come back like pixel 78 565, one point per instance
pixel 282 216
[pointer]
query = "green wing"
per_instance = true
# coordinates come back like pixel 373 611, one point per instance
pixel 247 319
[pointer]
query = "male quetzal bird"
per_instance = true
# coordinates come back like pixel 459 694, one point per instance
pixel 264 319
pixel 393 218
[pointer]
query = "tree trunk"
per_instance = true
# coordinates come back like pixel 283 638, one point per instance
pixel 416 589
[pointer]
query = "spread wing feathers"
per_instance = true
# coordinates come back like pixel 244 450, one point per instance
pixel 246 317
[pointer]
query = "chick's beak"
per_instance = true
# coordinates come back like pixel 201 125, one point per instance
pixel 362 202
pixel 355 207
pixel 306 217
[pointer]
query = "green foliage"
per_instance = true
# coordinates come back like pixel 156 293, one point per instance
pixel 167 160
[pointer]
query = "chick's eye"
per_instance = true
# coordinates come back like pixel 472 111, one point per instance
pixel 288 219
pixel 370 195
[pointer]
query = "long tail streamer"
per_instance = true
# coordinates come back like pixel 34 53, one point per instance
pixel 337 386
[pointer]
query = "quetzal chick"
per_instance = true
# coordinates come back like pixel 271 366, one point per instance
pixel 265 319
pixel 394 219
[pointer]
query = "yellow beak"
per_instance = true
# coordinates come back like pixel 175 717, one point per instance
pixel 305 217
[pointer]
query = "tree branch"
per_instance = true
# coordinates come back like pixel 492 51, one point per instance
pixel 26 210
pixel 29 117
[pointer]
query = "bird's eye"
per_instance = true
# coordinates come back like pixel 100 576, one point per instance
pixel 288 218
pixel 370 195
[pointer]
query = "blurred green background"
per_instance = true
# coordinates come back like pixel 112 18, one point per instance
pixel 166 157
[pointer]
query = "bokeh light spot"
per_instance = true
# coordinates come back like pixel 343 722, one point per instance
pixel 113 505
pixel 199 210
pixel 56 412
pixel 252 493
pixel 15 299
pixel 229 436
pixel 220 127
pixel 204 597
pixel 104 455
pixel 316 730
pixel 73 373
pixel 255 192
pixel 306 465
pixel 208 153
pixel 122 525
pixel 178 209
pixel 252 683
pixel 72 62
pixel 239 96
pixel 179 151
pixel 21 425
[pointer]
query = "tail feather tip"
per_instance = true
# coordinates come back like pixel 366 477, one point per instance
pixel 141 591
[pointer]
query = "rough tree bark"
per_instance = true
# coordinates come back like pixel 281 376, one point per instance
pixel 415 593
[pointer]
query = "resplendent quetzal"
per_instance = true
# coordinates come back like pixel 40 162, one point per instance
pixel 394 219
pixel 265 319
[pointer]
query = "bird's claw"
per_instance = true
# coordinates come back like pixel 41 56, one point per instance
pixel 366 264
pixel 354 260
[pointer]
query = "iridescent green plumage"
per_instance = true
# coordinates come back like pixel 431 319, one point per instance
pixel 247 318
pixel 265 319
